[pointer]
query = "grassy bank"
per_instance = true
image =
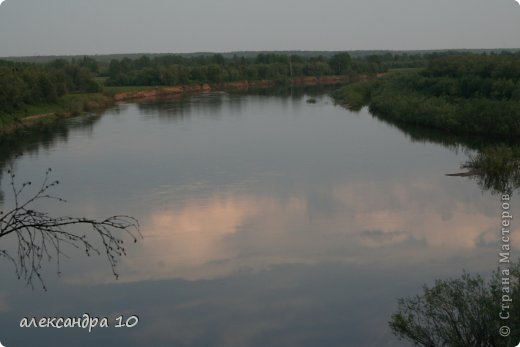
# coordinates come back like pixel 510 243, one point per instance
pixel 74 104
pixel 462 94
pixel 112 90
pixel 66 106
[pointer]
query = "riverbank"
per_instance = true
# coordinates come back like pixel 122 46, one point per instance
pixel 471 95
pixel 159 92
pixel 71 105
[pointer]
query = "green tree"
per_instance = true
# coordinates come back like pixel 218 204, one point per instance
pixel 341 63
pixel 460 312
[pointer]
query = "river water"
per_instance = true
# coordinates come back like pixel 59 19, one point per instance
pixel 266 221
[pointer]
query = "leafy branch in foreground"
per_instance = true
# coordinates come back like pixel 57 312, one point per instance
pixel 41 236
pixel 465 311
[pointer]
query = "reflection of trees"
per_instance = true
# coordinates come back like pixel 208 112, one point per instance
pixel 496 168
pixel 41 236
pixel 461 312
pixel 465 311
pixel 43 137
pixel 447 139
pixel 288 91
pixel 494 163
pixel 182 106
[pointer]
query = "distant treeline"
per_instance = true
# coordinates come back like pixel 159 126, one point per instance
pixel 28 84
pixel 472 94
pixel 218 68
pixel 23 84
pixel 404 54
pixel 172 70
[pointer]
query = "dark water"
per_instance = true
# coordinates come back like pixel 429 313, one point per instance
pixel 267 221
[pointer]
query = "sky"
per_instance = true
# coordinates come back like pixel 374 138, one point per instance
pixel 60 27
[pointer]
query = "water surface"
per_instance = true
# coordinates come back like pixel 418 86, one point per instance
pixel 267 221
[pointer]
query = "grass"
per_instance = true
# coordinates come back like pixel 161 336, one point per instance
pixel 69 103
pixel 66 106
pixel 111 90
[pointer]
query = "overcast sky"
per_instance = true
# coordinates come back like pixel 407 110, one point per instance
pixel 53 27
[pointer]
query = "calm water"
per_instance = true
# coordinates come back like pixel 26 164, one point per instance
pixel 267 221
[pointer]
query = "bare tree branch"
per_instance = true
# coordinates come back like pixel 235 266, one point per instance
pixel 40 236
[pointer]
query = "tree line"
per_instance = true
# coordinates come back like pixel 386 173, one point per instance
pixel 471 94
pixel 447 75
pixel 23 84
pixel 174 69
pixel 217 68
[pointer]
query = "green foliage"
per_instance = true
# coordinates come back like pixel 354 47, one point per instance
pixel 23 85
pixel 355 95
pixel 496 168
pixel 459 313
pixel 471 94
pixel 177 69
pixel 341 63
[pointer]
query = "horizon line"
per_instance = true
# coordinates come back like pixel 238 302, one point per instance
pixel 259 51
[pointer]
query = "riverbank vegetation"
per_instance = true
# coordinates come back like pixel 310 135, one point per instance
pixel 70 86
pixel 496 168
pixel 57 88
pixel 467 94
pixel 175 70
pixel 34 93
pixel 464 311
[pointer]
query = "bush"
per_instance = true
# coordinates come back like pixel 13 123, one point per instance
pixel 459 312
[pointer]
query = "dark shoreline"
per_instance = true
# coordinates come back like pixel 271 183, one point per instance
pixel 97 102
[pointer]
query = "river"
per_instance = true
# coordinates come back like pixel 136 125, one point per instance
pixel 266 221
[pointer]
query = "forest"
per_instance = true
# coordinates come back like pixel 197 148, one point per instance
pixel 467 94
pixel 455 91
pixel 23 84
pixel 173 70
pixel 38 81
